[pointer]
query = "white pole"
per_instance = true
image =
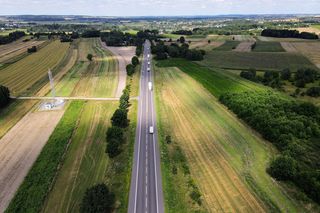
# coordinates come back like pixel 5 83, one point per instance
pixel 53 93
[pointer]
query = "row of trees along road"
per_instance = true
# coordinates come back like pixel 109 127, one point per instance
pixel 176 50
pixel 132 67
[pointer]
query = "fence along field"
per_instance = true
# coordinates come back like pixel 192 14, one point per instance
pixel 20 76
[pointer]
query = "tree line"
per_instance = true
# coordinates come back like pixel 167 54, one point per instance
pixel 293 127
pixel 288 34
pixel 176 50
pixel 118 38
pixel 11 37
pixel 274 79
pixel 131 68
pixel 182 32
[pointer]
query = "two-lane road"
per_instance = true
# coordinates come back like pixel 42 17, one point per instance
pixel 146 187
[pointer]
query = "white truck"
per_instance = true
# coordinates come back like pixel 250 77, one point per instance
pixel 148 55
pixel 148 69
pixel 150 86
pixel 148 62
pixel 151 130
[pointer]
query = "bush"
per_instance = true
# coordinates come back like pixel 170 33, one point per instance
pixel 194 55
pixel 313 91
pixel 286 74
pixel 98 199
pixel 120 118
pixel 130 69
pixel 250 75
pixel 4 96
pixel 32 49
pixel 115 133
pixel 89 57
pixel 283 168
pixel 135 61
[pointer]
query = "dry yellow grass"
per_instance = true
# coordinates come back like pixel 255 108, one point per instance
pixel 11 50
pixel 187 116
pixel 21 75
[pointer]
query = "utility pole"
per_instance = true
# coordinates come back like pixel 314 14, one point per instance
pixel 53 92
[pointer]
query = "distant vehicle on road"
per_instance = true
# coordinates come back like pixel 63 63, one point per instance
pixel 148 62
pixel 150 86
pixel 148 69
pixel 148 55
pixel 151 130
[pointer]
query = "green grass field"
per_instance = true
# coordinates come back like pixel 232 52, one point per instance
pixel 98 78
pixel 216 144
pixel 22 75
pixel 317 26
pixel 33 190
pixel 268 47
pixel 228 46
pixel 257 60
pixel 85 163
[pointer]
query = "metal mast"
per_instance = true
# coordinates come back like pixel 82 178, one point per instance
pixel 53 92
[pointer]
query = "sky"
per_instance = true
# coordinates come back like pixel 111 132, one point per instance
pixel 157 7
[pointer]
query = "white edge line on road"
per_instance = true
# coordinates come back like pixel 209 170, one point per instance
pixel 154 144
pixel 139 138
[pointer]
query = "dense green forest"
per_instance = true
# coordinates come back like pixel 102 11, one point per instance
pixel 11 37
pixel 293 127
pixel 288 34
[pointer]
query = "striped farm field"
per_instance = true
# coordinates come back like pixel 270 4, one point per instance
pixel 227 159
pixel 309 49
pixel 87 164
pixel 96 78
pixel 9 51
pixel 20 76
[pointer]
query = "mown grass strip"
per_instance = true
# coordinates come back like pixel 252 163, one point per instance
pixel 35 187
pixel 215 81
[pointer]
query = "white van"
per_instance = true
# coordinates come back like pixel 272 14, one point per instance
pixel 151 130
pixel 150 85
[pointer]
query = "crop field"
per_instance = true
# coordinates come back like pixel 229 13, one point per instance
pixel 227 160
pixel 20 76
pixel 97 78
pixel 86 162
pixel 13 113
pixel 203 44
pixel 257 60
pixel 244 46
pixel 20 147
pixel 268 47
pixel 309 49
pixel 215 142
pixel 263 38
pixel 9 51
pixel 35 186
pixel 228 46
pixel 244 38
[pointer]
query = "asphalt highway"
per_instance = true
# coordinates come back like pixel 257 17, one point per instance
pixel 146 195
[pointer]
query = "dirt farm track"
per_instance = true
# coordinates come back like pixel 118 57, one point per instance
pixel 20 147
